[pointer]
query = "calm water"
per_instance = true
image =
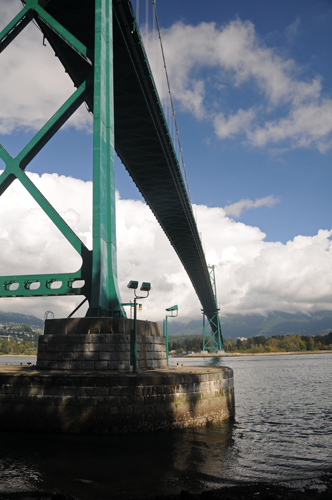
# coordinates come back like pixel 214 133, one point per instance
pixel 282 430
pixel 17 360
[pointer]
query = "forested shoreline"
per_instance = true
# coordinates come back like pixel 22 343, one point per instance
pixel 256 345
pixel 18 339
pixel 22 339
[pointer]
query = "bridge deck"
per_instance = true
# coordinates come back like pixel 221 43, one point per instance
pixel 142 139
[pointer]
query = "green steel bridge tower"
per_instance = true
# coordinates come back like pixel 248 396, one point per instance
pixel 97 277
pixel 100 47
pixel 212 337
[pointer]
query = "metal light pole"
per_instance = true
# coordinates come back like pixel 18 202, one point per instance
pixel 171 309
pixel 145 287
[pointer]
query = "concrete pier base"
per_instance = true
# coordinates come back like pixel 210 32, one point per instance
pixel 97 402
pixel 99 344
pixel 83 383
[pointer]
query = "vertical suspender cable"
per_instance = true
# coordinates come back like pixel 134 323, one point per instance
pixel 147 24
pixel 171 99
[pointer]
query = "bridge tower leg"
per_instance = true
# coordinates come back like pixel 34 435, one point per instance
pixel 97 277
pixel 212 335
pixel 104 294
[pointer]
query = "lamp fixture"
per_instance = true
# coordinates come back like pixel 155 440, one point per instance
pixel 133 285
pixel 173 308
pixel 145 287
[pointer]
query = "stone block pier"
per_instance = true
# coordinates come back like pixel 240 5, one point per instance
pixel 83 383
pixel 99 344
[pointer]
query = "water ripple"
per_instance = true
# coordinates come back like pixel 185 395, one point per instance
pixel 282 430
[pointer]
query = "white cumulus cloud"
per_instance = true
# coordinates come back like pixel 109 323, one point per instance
pixel 33 82
pixel 215 62
pixel 253 275
pixel 237 208
pixel 206 64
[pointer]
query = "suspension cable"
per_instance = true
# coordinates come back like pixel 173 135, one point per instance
pixel 171 98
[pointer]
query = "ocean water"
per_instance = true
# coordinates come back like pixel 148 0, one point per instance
pixel 282 431
pixel 17 360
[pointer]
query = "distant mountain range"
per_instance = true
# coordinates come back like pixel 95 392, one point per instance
pixel 20 319
pixel 233 325
pixel 275 323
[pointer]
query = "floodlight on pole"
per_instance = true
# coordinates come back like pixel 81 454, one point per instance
pixel 145 287
pixel 173 309
pixel 133 285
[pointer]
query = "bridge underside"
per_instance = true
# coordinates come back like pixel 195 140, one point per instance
pixel 142 139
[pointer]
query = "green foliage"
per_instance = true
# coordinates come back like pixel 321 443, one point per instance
pixel 185 343
pixel 280 343
pixel 18 339
pixel 259 344
pixel 15 347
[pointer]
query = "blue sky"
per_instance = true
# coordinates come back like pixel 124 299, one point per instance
pixel 252 87
pixel 225 170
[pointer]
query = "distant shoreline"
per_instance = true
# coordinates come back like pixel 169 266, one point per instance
pixel 17 355
pixel 210 355
pixel 240 354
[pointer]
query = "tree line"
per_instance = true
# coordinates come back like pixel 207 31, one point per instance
pixel 258 344
pixel 15 347
pixel 180 344
pixel 280 343
pixel 18 339
pixel 185 344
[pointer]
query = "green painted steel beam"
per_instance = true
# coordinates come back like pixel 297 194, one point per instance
pixel 41 285
pixel 54 124
pixel 212 337
pixel 105 297
pixel 41 138
pixel 56 27
pixel 97 278
pixel 14 167
pixel 13 29
pixel 78 282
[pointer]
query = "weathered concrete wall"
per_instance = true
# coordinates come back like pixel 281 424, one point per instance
pixel 99 344
pixel 70 326
pixel 99 352
pixel 83 383
pixel 100 402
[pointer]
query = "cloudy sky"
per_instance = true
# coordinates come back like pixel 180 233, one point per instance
pixel 252 89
